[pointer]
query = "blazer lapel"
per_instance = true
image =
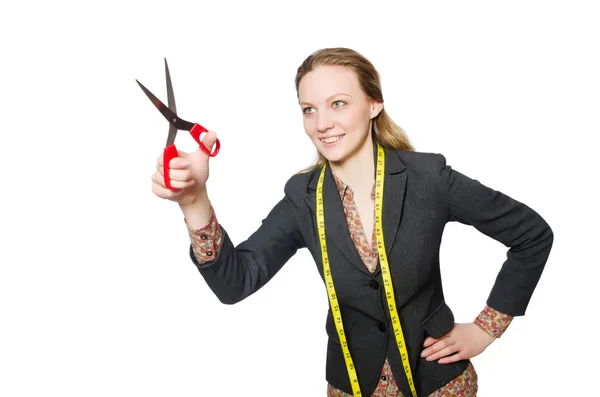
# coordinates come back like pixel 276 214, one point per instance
pixel 336 227
pixel 394 191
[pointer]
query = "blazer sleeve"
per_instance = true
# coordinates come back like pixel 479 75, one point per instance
pixel 508 221
pixel 239 271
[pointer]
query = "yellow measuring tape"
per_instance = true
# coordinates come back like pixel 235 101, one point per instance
pixel 385 272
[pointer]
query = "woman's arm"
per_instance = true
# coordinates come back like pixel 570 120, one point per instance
pixel 235 272
pixel 508 221
pixel 205 241
pixel 466 341
pixel 493 322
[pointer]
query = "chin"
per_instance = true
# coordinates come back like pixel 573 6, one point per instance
pixel 334 156
pixel 338 157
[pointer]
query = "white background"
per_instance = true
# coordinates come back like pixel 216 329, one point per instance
pixel 98 296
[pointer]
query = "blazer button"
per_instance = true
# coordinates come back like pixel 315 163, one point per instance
pixel 381 326
pixel 374 284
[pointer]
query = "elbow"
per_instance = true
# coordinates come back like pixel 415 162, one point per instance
pixel 550 239
pixel 543 242
pixel 226 293
pixel 548 236
pixel 229 300
pixel 543 235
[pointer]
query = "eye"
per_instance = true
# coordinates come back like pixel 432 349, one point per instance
pixel 308 109
pixel 338 104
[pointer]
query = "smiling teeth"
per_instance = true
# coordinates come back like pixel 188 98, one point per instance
pixel 332 139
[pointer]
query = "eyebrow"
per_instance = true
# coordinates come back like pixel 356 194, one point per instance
pixel 328 98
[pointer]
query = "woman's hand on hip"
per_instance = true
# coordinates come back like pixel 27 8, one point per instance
pixel 463 342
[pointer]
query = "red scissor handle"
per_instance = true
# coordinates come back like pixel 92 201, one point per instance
pixel 170 152
pixel 196 131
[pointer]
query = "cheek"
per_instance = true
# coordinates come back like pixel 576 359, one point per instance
pixel 309 126
pixel 354 121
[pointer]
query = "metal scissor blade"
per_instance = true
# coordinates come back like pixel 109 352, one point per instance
pixel 172 105
pixel 166 112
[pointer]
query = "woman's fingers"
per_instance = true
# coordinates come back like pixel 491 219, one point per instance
pixel 430 341
pixel 178 163
pixel 188 173
pixel 180 179
pixel 175 163
pixel 180 175
pixel 443 352
pixel 158 179
pixel 463 342
pixel 434 351
pixel 182 185
pixel 209 139
pixel 451 359
pixel 159 189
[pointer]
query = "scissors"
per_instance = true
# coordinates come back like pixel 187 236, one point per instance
pixel 176 123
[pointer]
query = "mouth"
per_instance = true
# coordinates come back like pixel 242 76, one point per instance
pixel 331 140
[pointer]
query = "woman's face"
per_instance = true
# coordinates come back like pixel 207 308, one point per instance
pixel 336 112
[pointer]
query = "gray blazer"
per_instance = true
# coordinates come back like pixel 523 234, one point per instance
pixel 421 195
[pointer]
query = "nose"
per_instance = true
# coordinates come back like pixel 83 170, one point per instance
pixel 324 121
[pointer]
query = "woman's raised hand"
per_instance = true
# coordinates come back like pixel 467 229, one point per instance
pixel 188 174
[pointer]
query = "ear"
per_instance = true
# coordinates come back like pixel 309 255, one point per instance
pixel 376 108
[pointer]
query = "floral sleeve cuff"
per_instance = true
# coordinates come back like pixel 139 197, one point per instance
pixel 206 241
pixel 493 322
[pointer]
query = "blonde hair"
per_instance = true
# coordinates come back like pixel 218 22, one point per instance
pixel 387 133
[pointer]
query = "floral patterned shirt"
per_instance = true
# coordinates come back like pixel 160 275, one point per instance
pixel 207 241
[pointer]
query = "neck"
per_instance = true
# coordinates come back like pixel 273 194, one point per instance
pixel 358 171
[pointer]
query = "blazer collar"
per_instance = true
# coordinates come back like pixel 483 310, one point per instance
pixel 393 165
pixel 336 227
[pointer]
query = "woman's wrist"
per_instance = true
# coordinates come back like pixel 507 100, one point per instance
pixel 492 321
pixel 197 213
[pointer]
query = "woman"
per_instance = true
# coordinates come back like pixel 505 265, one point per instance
pixel 372 213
